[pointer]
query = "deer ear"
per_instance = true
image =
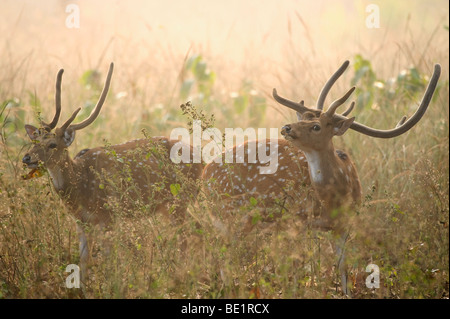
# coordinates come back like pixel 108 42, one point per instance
pixel 299 116
pixel 342 126
pixel 69 137
pixel 32 132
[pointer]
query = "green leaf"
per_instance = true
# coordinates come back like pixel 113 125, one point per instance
pixel 192 61
pixel 253 201
pixel 90 79
pixel 200 71
pixel 240 104
pixel 34 100
pixel 175 189
pixel 363 72
pixel 185 89
pixel 256 218
pixel 335 213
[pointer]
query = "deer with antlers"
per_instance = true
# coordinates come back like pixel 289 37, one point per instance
pixel 307 157
pixel 138 171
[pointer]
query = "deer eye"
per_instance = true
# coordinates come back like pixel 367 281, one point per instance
pixel 316 128
pixel 52 145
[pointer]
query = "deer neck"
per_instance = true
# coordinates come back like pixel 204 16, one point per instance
pixel 329 175
pixel 63 174
pixel 321 165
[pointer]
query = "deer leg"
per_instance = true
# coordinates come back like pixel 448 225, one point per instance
pixel 179 219
pixel 341 265
pixel 84 253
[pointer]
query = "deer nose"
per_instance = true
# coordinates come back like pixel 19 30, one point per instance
pixel 285 130
pixel 26 159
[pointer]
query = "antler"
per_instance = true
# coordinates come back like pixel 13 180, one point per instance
pixel 332 109
pixel 400 128
pixel 53 123
pixel 349 110
pixel 323 94
pixel 70 120
pixel 97 108
pixel 403 125
pixel 299 107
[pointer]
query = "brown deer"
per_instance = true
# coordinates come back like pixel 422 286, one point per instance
pixel 308 157
pixel 138 171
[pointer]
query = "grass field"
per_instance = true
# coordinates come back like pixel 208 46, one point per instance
pixel 226 59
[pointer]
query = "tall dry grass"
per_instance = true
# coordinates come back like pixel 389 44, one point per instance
pixel 227 66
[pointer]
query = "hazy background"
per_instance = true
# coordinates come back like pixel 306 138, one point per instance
pixel 293 45
pixel 226 57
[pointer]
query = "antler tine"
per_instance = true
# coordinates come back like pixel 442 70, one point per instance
pixel 332 109
pixel 349 110
pixel 70 120
pixel 401 122
pixel 323 94
pixel 299 107
pixel 404 126
pixel 99 105
pixel 55 120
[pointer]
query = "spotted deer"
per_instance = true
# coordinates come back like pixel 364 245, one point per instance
pixel 138 171
pixel 308 161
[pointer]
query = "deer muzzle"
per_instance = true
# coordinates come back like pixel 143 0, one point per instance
pixel 28 161
pixel 285 130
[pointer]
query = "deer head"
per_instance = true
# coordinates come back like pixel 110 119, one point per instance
pixel 315 129
pixel 51 143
